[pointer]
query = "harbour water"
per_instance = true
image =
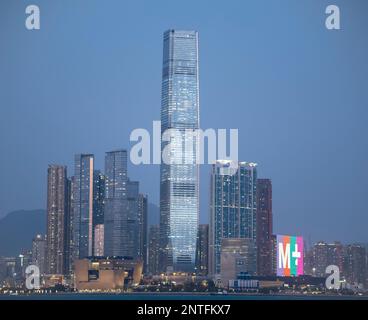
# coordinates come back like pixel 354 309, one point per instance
pixel 174 296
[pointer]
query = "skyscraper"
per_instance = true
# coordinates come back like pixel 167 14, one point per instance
pixel 264 227
pixel 39 253
pixel 202 250
pixel 83 206
pixel 233 207
pixel 98 212
pixel 153 249
pixel 116 219
pixel 57 218
pixel 142 222
pixel 98 197
pixel 179 182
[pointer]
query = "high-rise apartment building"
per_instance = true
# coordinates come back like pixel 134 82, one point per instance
pixel 58 192
pixel 233 207
pixel 179 177
pixel 39 253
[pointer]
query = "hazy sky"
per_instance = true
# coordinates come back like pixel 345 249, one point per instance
pixel 297 92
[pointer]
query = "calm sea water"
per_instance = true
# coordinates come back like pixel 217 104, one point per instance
pixel 184 297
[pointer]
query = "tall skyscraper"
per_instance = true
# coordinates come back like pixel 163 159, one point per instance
pixel 118 234
pixel 39 253
pixel 153 249
pixel 143 232
pixel 57 218
pixel 98 197
pixel 83 206
pixel 233 207
pixel 98 210
pixel 202 250
pixel 179 182
pixel 264 227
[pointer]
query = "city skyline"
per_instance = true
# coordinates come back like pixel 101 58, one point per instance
pixel 330 144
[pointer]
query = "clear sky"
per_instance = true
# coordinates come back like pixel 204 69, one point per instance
pixel 297 92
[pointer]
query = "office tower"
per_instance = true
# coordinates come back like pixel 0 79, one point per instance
pixel 264 227
pixel 179 175
pixel 83 206
pixel 118 234
pixel 57 219
pixel 98 197
pixel 39 253
pixel 323 255
pixel 142 222
pixel 233 207
pixel 238 257
pixel 98 208
pixel 355 265
pixel 153 249
pixel 98 248
pixel 202 250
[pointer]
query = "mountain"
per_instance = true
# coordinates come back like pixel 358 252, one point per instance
pixel 18 228
pixel 153 214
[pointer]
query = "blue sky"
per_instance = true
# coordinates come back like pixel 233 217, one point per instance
pixel 297 92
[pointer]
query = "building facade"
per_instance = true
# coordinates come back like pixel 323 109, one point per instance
pixel 264 227
pixel 233 207
pixel 202 250
pixel 179 174
pixel 82 206
pixel 39 253
pixel 238 258
pixel 142 230
pixel 57 219
pixel 153 249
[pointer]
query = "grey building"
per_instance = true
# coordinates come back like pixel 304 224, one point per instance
pixel 238 257
pixel 120 208
pixel 179 176
pixel 233 207
pixel 83 206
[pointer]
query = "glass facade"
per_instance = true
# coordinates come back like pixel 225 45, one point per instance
pixel 83 205
pixel 233 207
pixel 179 183
pixel 116 203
